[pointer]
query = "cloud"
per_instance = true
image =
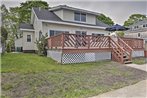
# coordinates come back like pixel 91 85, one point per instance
pixel 119 11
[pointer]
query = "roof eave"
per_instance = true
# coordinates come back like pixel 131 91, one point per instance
pixel 73 24
pixel 23 29
pixel 74 9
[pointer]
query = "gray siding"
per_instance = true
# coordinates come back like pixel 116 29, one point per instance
pixel 68 15
pixel 72 29
pixel 139 53
pixel 55 55
pixel 28 45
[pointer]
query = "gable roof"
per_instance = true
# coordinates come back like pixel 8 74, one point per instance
pixel 26 26
pixel 48 15
pixel 45 14
pixel 73 9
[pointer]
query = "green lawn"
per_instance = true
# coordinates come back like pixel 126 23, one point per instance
pixel 139 61
pixel 33 76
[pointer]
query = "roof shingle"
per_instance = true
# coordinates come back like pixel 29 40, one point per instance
pixel 26 26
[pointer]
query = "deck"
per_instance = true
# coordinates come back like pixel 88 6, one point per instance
pixel 77 44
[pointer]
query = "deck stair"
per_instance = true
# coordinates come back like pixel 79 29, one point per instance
pixel 121 52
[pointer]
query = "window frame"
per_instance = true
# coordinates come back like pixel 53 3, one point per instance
pixel 80 19
pixel 29 40
pixel 139 35
pixel 77 18
pixel 83 14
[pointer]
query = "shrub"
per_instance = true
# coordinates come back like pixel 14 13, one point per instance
pixel 42 45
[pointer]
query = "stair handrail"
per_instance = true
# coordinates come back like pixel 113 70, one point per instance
pixel 119 47
pixel 128 49
pixel 117 44
pixel 125 44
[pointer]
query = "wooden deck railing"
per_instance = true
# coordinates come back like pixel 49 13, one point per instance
pixel 73 41
pixel 55 41
pixel 134 43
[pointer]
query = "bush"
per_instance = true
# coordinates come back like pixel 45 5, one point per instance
pixel 41 45
pixel 120 33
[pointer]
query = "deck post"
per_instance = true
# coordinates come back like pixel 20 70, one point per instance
pixel 88 42
pixel 62 40
pixel 109 42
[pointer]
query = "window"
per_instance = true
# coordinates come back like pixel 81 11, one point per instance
pixel 144 25
pixel 138 34
pixel 55 32
pixel 95 37
pixel 93 34
pixel 80 32
pixel 28 38
pixel 77 16
pixel 80 17
pixel 83 17
pixel 51 33
pixel 136 27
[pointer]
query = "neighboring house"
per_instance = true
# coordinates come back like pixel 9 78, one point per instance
pixel 59 19
pixel 137 30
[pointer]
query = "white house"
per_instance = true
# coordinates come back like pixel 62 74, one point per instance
pixel 57 20
pixel 137 30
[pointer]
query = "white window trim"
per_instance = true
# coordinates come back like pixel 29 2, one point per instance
pixel 31 38
pixel 80 17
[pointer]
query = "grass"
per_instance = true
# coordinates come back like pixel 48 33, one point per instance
pixel 32 63
pixel 139 61
pixel 33 76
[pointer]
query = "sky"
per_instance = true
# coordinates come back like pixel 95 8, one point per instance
pixel 119 11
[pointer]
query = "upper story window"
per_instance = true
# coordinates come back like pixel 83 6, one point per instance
pixel 80 17
pixel 77 16
pixel 83 17
pixel 28 38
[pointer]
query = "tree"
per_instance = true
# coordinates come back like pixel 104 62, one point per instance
pixel 41 45
pixel 120 33
pixel 24 11
pixel 4 35
pixel 16 15
pixel 105 19
pixel 134 18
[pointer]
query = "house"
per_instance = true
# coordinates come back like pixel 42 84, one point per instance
pixel 137 30
pixel 57 20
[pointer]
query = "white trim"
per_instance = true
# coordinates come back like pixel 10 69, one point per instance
pixel 35 13
pixel 27 38
pixel 72 24
pixel 27 29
